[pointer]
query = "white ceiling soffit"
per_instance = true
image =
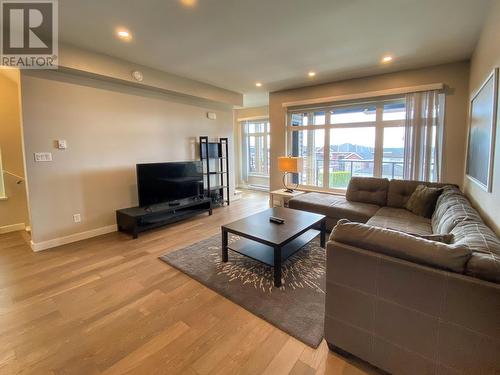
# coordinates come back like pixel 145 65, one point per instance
pixel 232 44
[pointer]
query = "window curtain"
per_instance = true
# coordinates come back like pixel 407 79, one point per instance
pixel 423 136
pixel 244 152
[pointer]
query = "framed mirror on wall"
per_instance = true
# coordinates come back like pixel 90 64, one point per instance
pixel 482 130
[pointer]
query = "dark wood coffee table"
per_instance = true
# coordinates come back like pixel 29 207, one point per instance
pixel 272 243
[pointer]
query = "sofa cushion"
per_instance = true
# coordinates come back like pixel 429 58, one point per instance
pixel 423 200
pixel 400 191
pixel 333 206
pixel 402 245
pixel 368 190
pixel 444 238
pixel 312 202
pixel 354 211
pixel 452 207
pixel 485 245
pixel 401 220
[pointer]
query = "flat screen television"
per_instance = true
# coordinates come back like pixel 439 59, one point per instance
pixel 166 182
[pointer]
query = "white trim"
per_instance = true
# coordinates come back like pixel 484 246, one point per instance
pixel 365 95
pixel 258 188
pixel 12 228
pixel 252 118
pixel 258 175
pixel 4 198
pixel 38 246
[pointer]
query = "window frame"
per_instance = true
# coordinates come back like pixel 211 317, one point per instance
pixel 266 144
pixel 379 124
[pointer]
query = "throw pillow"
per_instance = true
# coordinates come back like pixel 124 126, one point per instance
pixel 423 200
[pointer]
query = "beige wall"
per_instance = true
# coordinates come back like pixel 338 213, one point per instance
pixel 14 210
pixel 455 76
pixel 93 64
pixel 109 128
pixel 485 58
pixel 241 114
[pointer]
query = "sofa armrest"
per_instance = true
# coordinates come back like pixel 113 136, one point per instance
pixel 409 318
pixel 402 245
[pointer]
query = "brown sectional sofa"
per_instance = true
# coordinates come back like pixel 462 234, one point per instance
pixel 406 304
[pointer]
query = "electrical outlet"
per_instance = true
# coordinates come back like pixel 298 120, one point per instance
pixel 77 218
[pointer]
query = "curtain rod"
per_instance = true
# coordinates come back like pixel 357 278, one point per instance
pixel 365 95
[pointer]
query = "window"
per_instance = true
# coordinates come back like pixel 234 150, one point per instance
pixel 351 154
pixel 356 139
pixel 255 152
pixel 394 115
pixel 309 145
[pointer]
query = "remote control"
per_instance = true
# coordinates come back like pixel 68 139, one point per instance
pixel 277 220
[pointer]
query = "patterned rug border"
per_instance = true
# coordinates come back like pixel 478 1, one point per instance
pixel 275 322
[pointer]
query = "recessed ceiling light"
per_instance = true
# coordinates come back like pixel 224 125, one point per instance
pixel 258 84
pixel 189 3
pixel 311 74
pixel 124 34
pixel 387 59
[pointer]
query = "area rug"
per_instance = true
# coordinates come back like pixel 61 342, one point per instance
pixel 297 307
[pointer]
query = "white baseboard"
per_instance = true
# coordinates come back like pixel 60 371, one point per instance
pixel 44 245
pixel 12 228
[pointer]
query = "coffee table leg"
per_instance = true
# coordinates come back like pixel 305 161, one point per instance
pixel 224 246
pixel 277 267
pixel 322 238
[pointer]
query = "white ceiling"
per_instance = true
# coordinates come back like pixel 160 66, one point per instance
pixel 234 43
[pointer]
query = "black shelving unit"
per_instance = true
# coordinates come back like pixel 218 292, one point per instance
pixel 214 157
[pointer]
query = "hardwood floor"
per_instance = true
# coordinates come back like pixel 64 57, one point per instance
pixel 107 305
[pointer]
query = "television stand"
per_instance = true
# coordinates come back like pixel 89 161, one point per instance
pixel 135 220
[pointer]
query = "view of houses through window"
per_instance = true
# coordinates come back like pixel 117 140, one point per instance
pixel 338 142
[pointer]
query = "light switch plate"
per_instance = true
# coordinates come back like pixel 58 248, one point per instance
pixel 43 156
pixel 61 144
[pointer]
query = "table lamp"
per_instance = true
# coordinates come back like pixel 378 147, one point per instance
pixel 289 164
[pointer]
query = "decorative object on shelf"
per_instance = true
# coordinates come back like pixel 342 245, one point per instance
pixel 214 156
pixel 289 164
pixel 482 126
